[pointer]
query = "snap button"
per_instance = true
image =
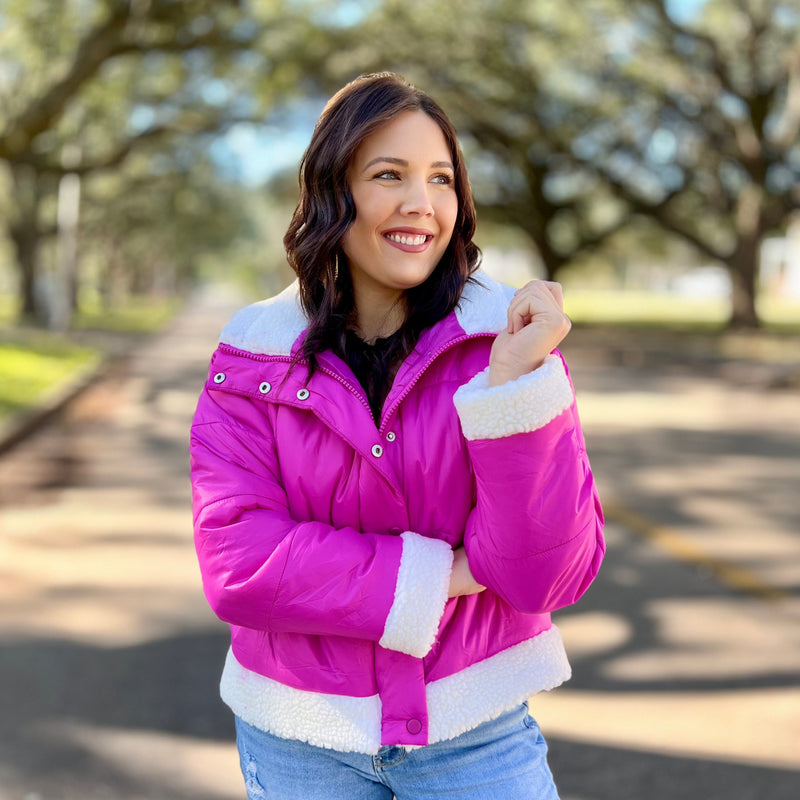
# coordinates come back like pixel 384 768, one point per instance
pixel 413 726
pixel 377 450
pixel 395 530
pixel 265 387
pixel 391 436
pixel 302 394
pixel 219 377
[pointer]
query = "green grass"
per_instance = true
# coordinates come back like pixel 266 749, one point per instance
pixel 31 370
pixel 643 309
pixel 653 310
pixel 138 315
pixel 35 363
pixel 780 315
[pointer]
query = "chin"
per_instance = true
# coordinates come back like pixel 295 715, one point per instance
pixel 409 279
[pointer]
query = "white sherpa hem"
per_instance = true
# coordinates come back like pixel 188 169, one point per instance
pixel 350 724
pixel 456 703
pixel 419 596
pixel 519 406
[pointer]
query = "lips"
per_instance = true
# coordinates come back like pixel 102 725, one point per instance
pixel 409 240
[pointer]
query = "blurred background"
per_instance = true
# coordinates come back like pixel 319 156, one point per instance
pixel 645 153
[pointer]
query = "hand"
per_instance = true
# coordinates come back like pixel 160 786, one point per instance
pixel 536 325
pixel 461 580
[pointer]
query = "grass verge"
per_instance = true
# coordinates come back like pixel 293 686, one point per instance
pixel 665 311
pixel 32 370
pixel 36 365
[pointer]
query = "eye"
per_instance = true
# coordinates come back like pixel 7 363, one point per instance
pixel 443 179
pixel 388 175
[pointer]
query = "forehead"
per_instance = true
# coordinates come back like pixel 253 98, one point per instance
pixel 412 136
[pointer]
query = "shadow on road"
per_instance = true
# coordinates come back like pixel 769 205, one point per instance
pixel 594 772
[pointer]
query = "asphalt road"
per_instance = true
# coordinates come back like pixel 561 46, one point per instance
pixel 686 651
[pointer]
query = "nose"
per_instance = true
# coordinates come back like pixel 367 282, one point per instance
pixel 416 201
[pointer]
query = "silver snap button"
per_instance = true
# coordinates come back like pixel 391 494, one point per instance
pixel 377 450
pixel 219 377
pixel 265 387
pixel 391 436
pixel 302 394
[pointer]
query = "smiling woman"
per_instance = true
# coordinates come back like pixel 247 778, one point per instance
pixel 402 183
pixel 391 492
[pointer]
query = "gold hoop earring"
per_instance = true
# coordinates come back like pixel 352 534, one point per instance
pixel 336 269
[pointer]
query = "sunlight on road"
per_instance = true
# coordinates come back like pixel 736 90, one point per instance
pixel 738 726
pixel 174 763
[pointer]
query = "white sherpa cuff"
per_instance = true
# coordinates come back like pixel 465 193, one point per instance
pixel 520 406
pixel 420 594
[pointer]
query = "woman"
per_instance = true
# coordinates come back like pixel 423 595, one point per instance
pixel 391 489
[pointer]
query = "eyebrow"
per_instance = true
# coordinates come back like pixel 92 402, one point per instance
pixel 403 163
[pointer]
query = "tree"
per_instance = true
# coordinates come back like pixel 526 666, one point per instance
pixel 144 232
pixel 103 79
pixel 709 143
pixel 582 117
pixel 506 75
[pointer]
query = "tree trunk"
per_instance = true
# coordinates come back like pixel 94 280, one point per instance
pixel 27 257
pixel 744 270
pixel 25 234
pixel 744 262
pixel 550 260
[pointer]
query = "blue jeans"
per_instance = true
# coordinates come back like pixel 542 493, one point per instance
pixel 504 759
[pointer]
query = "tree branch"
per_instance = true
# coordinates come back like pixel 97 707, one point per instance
pixel 660 212
pixel 717 61
pixel 789 123
pixel 118 156
pixel 108 40
pixel 95 48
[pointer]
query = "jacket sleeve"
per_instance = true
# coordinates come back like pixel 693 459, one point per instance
pixel 262 569
pixel 534 536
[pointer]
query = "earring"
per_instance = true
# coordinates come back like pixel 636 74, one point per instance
pixel 336 268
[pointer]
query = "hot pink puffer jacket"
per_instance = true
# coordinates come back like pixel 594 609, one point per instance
pixel 326 542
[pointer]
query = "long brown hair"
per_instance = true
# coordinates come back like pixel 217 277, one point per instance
pixel 326 210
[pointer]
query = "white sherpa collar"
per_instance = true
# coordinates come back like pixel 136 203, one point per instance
pixel 271 327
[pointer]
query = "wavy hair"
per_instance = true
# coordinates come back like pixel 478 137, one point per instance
pixel 326 210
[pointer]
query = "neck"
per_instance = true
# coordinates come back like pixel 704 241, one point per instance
pixel 377 320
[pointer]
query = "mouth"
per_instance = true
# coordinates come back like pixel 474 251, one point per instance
pixel 409 241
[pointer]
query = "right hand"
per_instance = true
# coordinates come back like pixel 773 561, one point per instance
pixel 461 580
pixel 536 325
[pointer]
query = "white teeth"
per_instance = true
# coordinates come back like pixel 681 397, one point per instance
pixel 401 239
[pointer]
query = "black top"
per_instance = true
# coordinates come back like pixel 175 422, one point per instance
pixel 374 365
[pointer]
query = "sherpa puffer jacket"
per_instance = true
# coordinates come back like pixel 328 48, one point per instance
pixel 326 542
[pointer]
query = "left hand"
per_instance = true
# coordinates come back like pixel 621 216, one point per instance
pixel 461 579
pixel 536 325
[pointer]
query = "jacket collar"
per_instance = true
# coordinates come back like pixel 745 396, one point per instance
pixel 273 326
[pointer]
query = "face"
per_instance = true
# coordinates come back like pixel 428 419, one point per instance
pixel 403 184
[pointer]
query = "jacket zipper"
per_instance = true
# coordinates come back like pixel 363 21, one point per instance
pixel 431 358
pixel 350 387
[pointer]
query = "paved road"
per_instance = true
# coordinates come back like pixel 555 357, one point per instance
pixel 685 652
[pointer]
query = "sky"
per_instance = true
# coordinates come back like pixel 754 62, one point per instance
pixel 252 154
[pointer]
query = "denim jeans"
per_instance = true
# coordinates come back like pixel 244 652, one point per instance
pixel 504 759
